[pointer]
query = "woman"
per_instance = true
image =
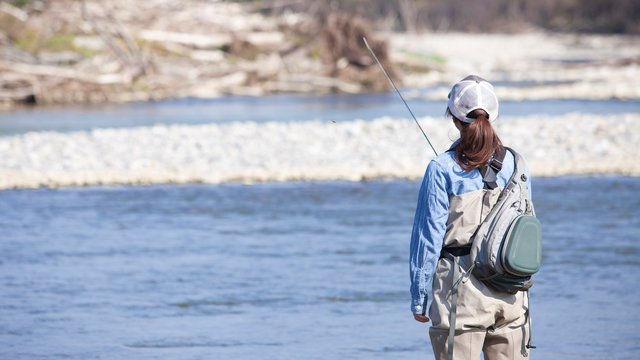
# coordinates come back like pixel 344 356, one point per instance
pixel 453 201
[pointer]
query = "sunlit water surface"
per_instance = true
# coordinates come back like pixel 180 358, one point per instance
pixel 287 271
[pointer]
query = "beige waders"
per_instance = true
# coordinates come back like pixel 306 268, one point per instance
pixel 486 320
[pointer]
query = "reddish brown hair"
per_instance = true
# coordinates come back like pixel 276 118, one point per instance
pixel 478 142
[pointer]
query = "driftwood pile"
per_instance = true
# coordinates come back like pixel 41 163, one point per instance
pixel 93 51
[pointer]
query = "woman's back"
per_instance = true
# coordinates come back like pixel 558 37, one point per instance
pixel 458 191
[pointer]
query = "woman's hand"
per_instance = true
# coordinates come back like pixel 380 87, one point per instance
pixel 421 318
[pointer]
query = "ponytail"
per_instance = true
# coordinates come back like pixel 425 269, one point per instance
pixel 478 142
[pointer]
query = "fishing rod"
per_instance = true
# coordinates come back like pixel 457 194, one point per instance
pixel 398 91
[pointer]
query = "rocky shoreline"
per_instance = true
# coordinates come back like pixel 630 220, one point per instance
pixel 301 151
pixel 93 52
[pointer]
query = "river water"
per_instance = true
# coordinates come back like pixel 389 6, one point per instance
pixel 311 270
pixel 275 108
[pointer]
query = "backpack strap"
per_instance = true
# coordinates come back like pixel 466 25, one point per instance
pixel 490 171
pixel 518 166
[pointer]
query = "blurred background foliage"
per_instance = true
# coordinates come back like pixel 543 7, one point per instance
pixel 584 16
pixel 589 16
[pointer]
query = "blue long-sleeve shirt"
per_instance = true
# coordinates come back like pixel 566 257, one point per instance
pixel 443 179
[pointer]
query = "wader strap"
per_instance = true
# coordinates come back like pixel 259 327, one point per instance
pixel 454 307
pixel 449 252
pixel 529 346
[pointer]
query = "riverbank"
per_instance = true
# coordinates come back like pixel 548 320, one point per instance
pixel 527 66
pixel 91 52
pixel 95 52
pixel 248 152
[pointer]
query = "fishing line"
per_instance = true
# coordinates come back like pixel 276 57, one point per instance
pixel 398 91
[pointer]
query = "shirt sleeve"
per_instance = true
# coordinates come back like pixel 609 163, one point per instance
pixel 429 228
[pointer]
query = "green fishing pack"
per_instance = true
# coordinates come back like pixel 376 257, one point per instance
pixel 506 249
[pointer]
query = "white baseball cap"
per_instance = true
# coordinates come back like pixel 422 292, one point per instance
pixel 472 93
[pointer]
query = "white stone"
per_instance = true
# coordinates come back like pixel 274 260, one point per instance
pixel 314 150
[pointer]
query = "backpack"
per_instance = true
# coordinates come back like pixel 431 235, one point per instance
pixel 506 249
